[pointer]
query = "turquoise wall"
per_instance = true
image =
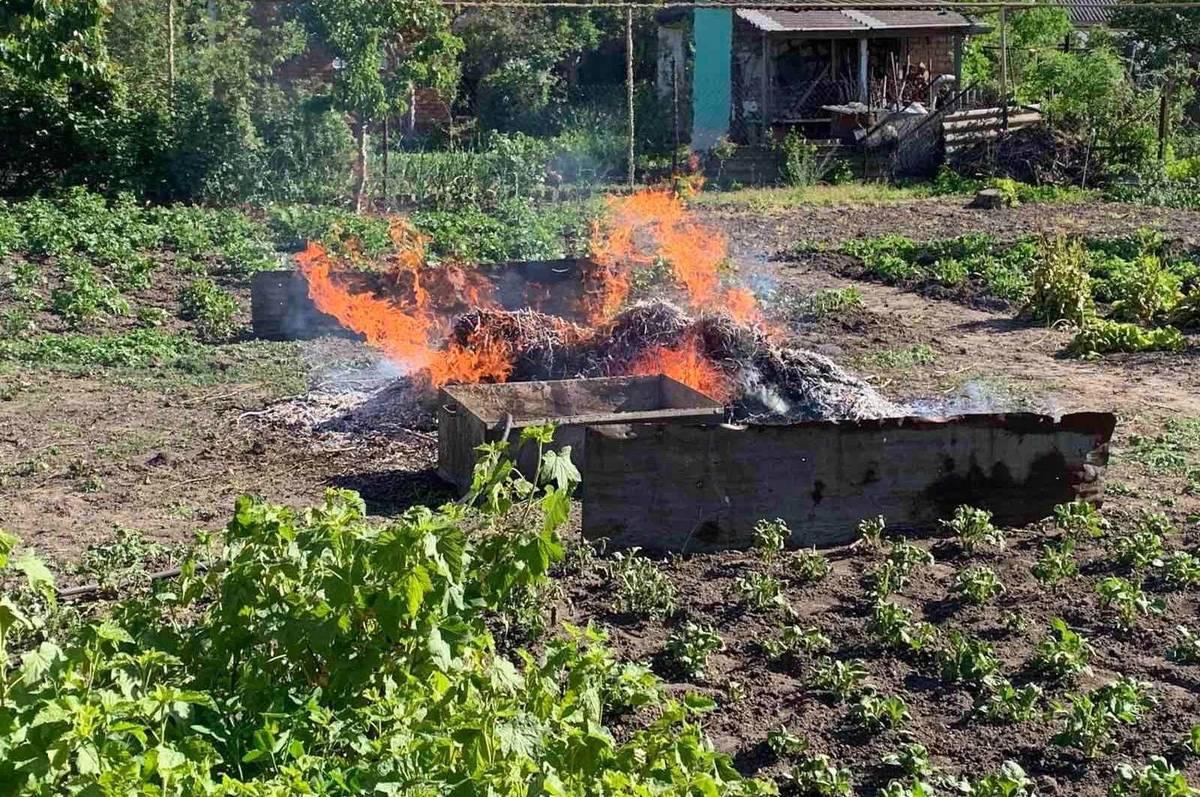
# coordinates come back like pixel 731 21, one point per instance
pixel 711 83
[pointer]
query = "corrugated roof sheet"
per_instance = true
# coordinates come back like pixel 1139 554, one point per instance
pixel 849 20
pixel 1085 16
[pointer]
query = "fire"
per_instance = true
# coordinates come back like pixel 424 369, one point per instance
pixel 652 224
pixel 408 329
pixel 685 363
pixel 413 325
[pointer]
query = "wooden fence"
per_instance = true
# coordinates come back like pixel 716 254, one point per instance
pixel 964 129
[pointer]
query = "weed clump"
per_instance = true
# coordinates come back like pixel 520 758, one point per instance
pixel 1062 289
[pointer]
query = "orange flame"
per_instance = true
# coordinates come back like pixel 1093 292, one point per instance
pixel 687 364
pixel 407 331
pixel 652 224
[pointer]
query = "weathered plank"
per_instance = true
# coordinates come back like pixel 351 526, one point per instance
pixel 683 488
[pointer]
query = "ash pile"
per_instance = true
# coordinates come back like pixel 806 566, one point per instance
pixel 768 382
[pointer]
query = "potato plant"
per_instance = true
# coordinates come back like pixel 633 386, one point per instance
pixel 770 537
pixel 973 528
pixel 843 680
pixel 1156 779
pixel 874 713
pixel 1127 600
pixel 759 591
pixel 1186 649
pixel 1063 654
pixel 795 640
pixel 1057 562
pixel 808 566
pixel 1090 719
pixel 977 585
pixel 893 627
pixel 689 647
pixel 1079 520
pixel 642 589
pixel 968 661
pixel 785 744
pixel 912 759
pixel 817 775
pixel 1003 703
pixel 871 532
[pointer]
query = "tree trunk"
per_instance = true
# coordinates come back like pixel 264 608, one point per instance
pixel 360 167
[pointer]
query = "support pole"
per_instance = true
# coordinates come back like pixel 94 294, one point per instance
pixel 386 144
pixel 766 80
pixel 629 85
pixel 675 116
pixel 1163 103
pixel 864 83
pixel 1004 63
pixel 171 53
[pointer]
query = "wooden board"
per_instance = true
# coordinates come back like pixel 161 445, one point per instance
pixel 683 488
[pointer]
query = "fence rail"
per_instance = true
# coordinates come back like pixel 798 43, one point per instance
pixel 964 129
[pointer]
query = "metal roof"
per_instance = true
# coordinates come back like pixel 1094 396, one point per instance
pixel 849 20
pixel 1091 14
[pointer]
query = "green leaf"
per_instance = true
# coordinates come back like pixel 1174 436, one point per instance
pixel 8 542
pixel 558 468
pixel 37 574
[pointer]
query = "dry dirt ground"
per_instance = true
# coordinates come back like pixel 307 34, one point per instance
pixel 165 452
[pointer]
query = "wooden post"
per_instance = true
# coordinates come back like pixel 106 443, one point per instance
pixel 1163 103
pixel 864 83
pixel 675 116
pixel 1004 63
pixel 766 80
pixel 386 144
pixel 171 52
pixel 629 85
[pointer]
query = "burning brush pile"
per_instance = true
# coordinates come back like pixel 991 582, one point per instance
pixel 441 326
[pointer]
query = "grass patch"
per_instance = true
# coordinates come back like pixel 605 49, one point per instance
pixel 903 357
pixel 140 348
pixel 1171 452
pixel 776 198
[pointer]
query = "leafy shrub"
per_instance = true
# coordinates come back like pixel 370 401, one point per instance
pixel 1102 336
pixel 801 162
pixel 1145 291
pixel 86 295
pixel 689 646
pixel 207 703
pixel 642 589
pixel 210 309
pixel 1061 284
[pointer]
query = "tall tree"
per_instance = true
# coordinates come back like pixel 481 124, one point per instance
pixel 382 49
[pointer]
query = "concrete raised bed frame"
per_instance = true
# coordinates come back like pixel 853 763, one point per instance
pixel 470 415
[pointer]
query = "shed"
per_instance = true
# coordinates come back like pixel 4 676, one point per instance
pixel 753 72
